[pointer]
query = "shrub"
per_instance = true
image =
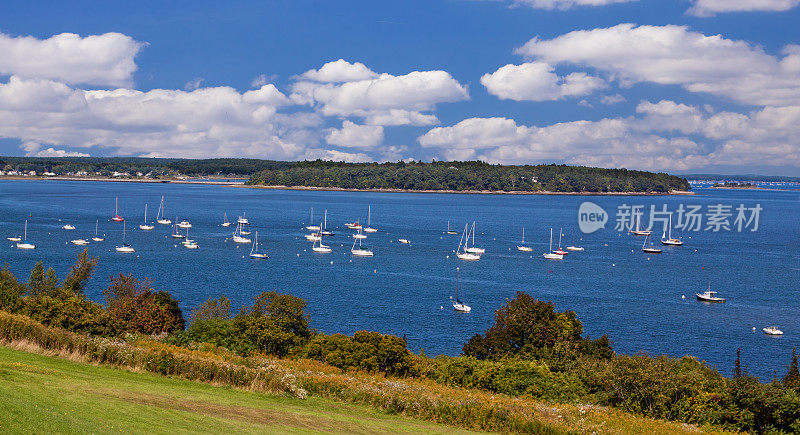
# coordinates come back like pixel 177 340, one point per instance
pixel 132 306
pixel 276 324
pixel 368 351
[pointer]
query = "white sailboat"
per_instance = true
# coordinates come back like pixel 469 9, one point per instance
pixel 312 227
pixel 368 228
pixel 449 231
pixel 404 241
pixel 457 304
pixel 559 250
pixel 550 255
pixel 160 215
pixel 24 243
pixel 649 249
pixel 324 231
pixel 145 226
pixel 125 248
pixel 360 252
pixel 68 227
pixel 473 249
pixel 243 220
pixel 225 222
pixel 184 224
pixel 359 234
pixel 522 247
pixel 189 243
pixel 464 255
pixel 79 242
pixel 237 235
pixel 320 247
pixel 175 233
pixel 254 252
pixel 313 237
pixel 668 240
pixel 353 225
pixel 117 217
pixel 97 237
pixel 637 231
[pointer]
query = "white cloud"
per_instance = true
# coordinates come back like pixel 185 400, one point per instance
pixel 104 60
pixel 566 4
pixel 336 156
pixel 262 80
pixel 708 8
pixel 664 136
pixel 536 81
pixel 339 71
pixel 193 84
pixel 612 99
pixel 33 149
pixel 356 136
pixel 382 100
pixel 674 55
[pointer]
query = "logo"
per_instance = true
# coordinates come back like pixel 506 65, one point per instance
pixel 591 217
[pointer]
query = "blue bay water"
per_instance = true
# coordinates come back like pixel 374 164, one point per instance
pixel 405 289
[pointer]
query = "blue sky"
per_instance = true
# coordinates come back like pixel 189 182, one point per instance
pixel 676 86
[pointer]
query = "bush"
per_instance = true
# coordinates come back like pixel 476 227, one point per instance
pixel 132 306
pixel 276 324
pixel 368 351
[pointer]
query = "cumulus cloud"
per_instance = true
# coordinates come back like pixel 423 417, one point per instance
pixel 565 4
pixel 612 99
pixel 708 8
pixel 103 60
pixel 193 84
pixel 33 149
pixel 382 99
pixel 674 55
pixel 663 136
pixel 355 136
pixel 537 81
pixel 262 80
pixel 336 156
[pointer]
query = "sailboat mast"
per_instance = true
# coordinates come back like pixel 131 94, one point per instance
pixel 458 277
pixel 369 215
pixel 473 233
pixel 560 230
pixel 551 239
pixel 325 227
pixel 26 230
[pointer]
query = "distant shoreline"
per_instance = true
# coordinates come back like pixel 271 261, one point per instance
pixel 340 189
pixel 468 192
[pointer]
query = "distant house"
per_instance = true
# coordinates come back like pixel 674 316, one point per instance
pixel 32 173
pixel 81 173
pixel 50 174
pixel 13 173
pixel 2 173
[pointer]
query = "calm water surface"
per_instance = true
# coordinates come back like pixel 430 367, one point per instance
pixel 612 286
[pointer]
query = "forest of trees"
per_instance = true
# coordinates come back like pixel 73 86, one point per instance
pixel 466 176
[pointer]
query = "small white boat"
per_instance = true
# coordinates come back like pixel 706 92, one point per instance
pixel 245 233
pixel 709 296
pixel 449 231
pixel 473 249
pixel 144 225
pixel 184 224
pixel 243 220
pixel 80 242
pixel 313 237
pixel 552 255
pixel 160 215
pixel 125 248
pixel 360 252
pixel 68 227
pixel 772 330
pixel 24 243
pixel 324 231
pixel 14 239
pixel 237 235
pixel 522 247
pixel 189 243
pixel 192 245
pixel 457 304
pixel 353 225
pixel 368 228
pixel 320 247
pixel 117 217
pixel 97 237
pixel 637 231
pixel 175 233
pixel 254 252
pixel 574 248
pixel 312 227
pixel 668 240
pixel 225 222
pixel 359 235
pixel 649 249
pixel 404 241
pixel 461 252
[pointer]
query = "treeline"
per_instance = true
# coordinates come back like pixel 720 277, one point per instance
pixel 155 167
pixel 531 350
pixel 466 176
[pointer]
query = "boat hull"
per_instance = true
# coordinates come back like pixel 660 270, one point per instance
pixel 702 298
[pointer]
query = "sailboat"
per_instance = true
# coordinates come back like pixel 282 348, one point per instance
pixel 472 249
pixel 669 240
pixel 353 225
pixel 449 231
pixel 550 255
pixel 24 243
pixel 125 247
pixel 522 247
pixel 321 248
pixel 189 243
pixel 359 234
pixel 360 252
pixel 254 252
pixel 465 255
pixel 237 235
pixel 637 231
pixel 559 250
pixel 243 220
pixel 312 227
pixel 79 242
pixel 313 237
pixel 175 233
pixel 144 226
pixel 458 305
pixel 324 231
pixel 225 222
pixel 117 217
pixel 184 224
pixel 160 215
pixel 97 237
pixel 649 249
pixel 68 227
pixel 14 239
pixel 368 228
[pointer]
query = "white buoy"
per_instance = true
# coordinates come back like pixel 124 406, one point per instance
pixel 754 329
pixel 375 271
pixel 331 262
pixel 683 296
pixel 441 307
pixel 613 265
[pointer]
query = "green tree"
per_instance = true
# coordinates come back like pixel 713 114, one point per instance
pixel 276 324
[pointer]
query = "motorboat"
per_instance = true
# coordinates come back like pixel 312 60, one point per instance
pixel 709 296
pixel 68 227
pixel 772 330
pixel 243 220
pixel 80 242
pixel 184 224
pixel 404 241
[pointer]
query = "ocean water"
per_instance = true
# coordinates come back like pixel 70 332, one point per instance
pixel 405 289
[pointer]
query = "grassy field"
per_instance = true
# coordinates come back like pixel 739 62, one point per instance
pixel 40 394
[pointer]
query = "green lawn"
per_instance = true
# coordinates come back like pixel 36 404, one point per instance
pixel 40 394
